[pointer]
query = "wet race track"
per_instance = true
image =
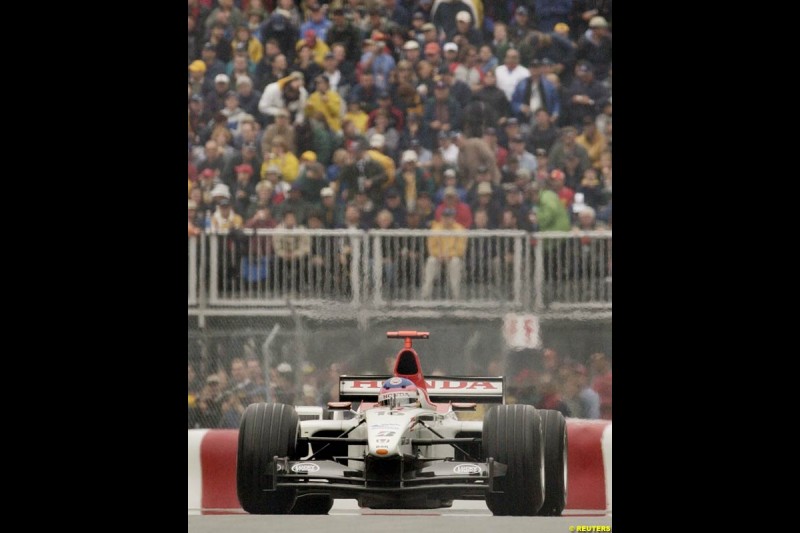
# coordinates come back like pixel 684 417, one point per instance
pixel 347 517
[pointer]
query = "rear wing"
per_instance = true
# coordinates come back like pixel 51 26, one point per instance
pixel 440 388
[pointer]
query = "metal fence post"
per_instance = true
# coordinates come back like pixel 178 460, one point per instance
pixel 517 270
pixel 213 275
pixel 193 270
pixel 538 275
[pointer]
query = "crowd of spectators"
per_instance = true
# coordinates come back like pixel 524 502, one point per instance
pixel 422 114
pixel 373 113
pixel 546 381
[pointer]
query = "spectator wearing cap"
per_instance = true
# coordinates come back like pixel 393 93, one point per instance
pixel 556 52
pixel 486 60
pixel 393 202
pixel 593 140
pixel 387 107
pixel 329 211
pixel 206 181
pixel 442 113
pixel 225 217
pixel 411 138
pixel 214 66
pixel 510 73
pixel 459 89
pixel 198 117
pixel 243 38
pixel 520 28
pixel 312 183
pixel 500 42
pixel 281 27
pixel 496 107
pixel 339 85
pixel 445 251
pixel 403 92
pixel 585 96
pixel 376 152
pixel 486 197
pixel 243 191
pixel 551 214
pixel 280 156
pixel 219 35
pixel 542 134
pixel 594 46
pixel 281 127
pixel 465 28
pixel 582 12
pixel 304 62
pixel 365 91
pixel 215 100
pixel 516 147
pixel 343 31
pixel 326 102
pixel 249 98
pixel 453 200
pixel 412 52
pixel 257 256
pixel 567 146
pixel 535 92
pixel 233 112
pixel 448 148
pixel 557 183
pixel 378 60
pixel 287 94
pixel 296 203
pixel 199 82
pixel 514 202
pixel 411 179
pixel 316 21
pixel 363 174
pixel 319 48
pixel 291 250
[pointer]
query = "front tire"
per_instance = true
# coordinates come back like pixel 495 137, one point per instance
pixel 512 435
pixel 554 431
pixel 267 430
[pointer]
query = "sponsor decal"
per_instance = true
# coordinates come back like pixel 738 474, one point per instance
pixel 396 381
pixel 382 441
pixel 385 434
pixel 305 468
pixel 384 426
pixel 467 469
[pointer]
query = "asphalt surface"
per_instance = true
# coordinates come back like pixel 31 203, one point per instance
pixel 346 517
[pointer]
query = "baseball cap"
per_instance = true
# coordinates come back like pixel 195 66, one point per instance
pixel 243 80
pixel 192 205
pixel 449 173
pixel 561 27
pixel 326 192
pixel 197 98
pixel 244 167
pixel 463 16
pixel 377 140
pixel 197 66
pixel 535 62
pixel 512 121
pixel 598 22
pixel 392 193
pixel 411 45
pixel 213 378
pixel 484 187
pixel 521 10
pixel 222 78
pixel 309 155
pixel 224 202
pixel 428 26
pixel 557 174
pixel 408 156
pixel 273 169
pixel 451 47
pixel 432 48
pixel 517 139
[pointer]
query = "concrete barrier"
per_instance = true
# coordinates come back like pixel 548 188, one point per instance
pixel 212 466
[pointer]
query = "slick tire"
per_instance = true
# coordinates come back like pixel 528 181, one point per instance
pixel 554 433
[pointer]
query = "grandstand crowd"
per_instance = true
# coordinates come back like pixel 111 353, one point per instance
pixel 421 114
pixel 354 111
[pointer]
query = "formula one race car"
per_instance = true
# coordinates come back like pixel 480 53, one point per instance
pixel 404 448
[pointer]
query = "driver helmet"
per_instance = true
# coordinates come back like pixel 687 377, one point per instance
pixel 397 392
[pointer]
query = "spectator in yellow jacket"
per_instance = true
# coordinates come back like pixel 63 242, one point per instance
pixel 280 156
pixel 255 50
pixel 326 102
pixel 377 144
pixel 445 251
pixel 318 47
pixel 594 141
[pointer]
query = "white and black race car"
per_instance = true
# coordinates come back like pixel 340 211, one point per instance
pixel 404 448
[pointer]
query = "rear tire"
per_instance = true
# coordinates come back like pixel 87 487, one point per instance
pixel 267 430
pixel 512 435
pixel 554 432
pixel 313 504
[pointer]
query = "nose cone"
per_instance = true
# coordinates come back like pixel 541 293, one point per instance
pixel 385 430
